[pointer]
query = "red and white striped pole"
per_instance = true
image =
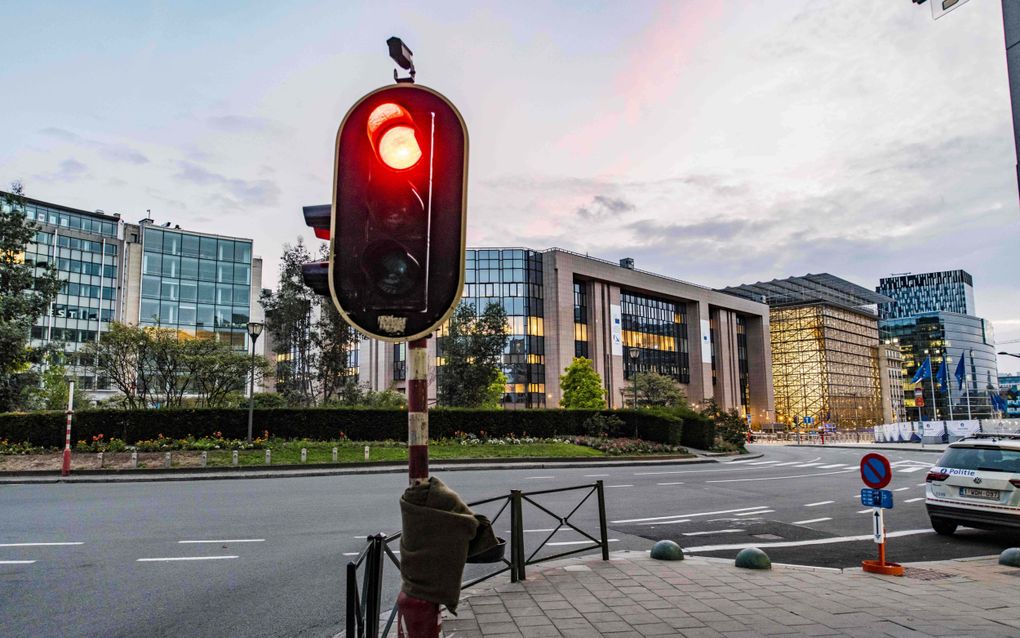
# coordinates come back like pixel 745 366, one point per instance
pixel 417 618
pixel 417 412
pixel 65 469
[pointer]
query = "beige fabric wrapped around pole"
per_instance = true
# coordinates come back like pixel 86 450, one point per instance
pixel 439 532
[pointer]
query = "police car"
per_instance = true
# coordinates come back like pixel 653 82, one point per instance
pixel 975 483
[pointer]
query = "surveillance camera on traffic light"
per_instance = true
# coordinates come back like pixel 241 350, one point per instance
pixel 398 218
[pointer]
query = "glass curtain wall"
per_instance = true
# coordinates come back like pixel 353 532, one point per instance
pixel 512 277
pixel 198 285
pixel 657 329
pixel 581 320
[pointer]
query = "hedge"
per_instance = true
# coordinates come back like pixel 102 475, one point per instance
pixel 47 428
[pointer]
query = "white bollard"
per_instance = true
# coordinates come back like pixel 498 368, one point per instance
pixel 366 452
pixel 166 460
pixel 233 458
pixel 100 460
pixel 335 454
pixel 304 455
pixel 269 456
pixel 205 458
pixel 134 460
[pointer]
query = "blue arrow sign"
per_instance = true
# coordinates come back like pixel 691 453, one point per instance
pixel 876 498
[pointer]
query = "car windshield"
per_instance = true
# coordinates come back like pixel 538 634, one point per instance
pixel 989 458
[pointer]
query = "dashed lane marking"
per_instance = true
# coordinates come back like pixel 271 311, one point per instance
pixel 16 562
pixel 234 540
pixel 917 468
pixel 914 500
pixel 865 511
pixel 663 518
pixel 901 489
pixel 807 465
pixel 812 520
pixel 780 478
pixel 171 559
pixel 818 503
pixel 672 483
pixel 594 475
pixel 755 513
pixel 532 478
pixel 763 462
pixel 40 544
pixel 624 485
pixel 787 463
pixel 829 467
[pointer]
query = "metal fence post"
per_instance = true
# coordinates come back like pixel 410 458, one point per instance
pixel 517 559
pixel 352 600
pixel 373 574
pixel 603 533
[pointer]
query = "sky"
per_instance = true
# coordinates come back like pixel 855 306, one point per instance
pixel 716 142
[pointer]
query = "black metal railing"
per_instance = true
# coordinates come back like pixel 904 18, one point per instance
pixel 364 607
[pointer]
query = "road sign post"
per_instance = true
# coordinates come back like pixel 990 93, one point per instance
pixel 65 468
pixel 876 474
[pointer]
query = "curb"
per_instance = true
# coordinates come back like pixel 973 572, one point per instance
pixel 302 471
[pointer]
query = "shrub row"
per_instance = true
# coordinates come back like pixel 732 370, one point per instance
pixel 674 427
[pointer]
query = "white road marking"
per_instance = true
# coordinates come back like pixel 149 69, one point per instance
pixel 818 503
pixel 819 541
pixel 901 489
pixel 182 558
pixel 16 562
pixel 625 485
pixel 736 462
pixel 672 483
pixel 39 544
pixel 560 544
pixel 829 467
pixel 754 513
pixel 530 478
pixel 594 475
pixel 780 478
pixel 812 520
pixel 680 520
pixel 914 500
pixel 763 462
pixel 787 463
pixel 717 531
pixel 663 518
pixel 351 553
pixel 235 540
pixel 921 484
pixel 807 465
pixel 913 469
pixel 865 511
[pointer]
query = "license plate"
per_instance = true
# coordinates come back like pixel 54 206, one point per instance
pixel 973 492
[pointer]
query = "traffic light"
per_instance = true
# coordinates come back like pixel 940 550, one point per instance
pixel 316 273
pixel 396 266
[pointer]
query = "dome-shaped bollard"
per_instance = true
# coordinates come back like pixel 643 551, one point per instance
pixel 667 550
pixel 1010 557
pixel 753 558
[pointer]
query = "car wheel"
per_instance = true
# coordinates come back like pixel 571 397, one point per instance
pixel 943 526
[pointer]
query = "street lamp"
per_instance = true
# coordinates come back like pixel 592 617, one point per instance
pixel 254 330
pixel 634 355
pixel 1009 354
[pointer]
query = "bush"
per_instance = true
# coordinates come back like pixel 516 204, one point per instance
pixel 671 426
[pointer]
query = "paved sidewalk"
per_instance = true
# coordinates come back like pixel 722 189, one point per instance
pixel 634 596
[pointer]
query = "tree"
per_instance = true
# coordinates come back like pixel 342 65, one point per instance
pixel 472 351
pixel 334 340
pixel 289 323
pixel 494 393
pixel 219 373
pixel 119 356
pixel 582 386
pixel 52 390
pixel 26 292
pixel 656 389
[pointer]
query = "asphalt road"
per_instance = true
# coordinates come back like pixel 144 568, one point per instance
pixel 266 557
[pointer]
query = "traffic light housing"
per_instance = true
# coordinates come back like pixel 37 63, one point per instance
pixel 396 268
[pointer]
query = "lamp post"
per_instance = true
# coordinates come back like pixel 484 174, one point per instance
pixel 1009 354
pixel 254 330
pixel 634 355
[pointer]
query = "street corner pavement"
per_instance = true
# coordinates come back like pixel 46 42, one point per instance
pixel 633 595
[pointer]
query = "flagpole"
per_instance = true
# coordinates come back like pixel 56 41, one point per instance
pixel 966 385
pixel 931 377
pixel 949 386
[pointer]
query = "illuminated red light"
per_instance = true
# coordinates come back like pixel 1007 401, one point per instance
pixel 391 130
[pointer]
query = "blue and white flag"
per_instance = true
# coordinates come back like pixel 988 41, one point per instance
pixel 961 369
pixel 924 372
pixel 998 402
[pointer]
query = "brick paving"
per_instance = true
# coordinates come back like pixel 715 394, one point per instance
pixel 633 596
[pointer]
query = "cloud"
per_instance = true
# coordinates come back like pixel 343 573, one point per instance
pixel 114 152
pixel 602 206
pixel 246 124
pixel 242 193
pixel 69 170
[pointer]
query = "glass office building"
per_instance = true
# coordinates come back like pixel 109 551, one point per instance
pixel 197 284
pixel 945 337
pixel 1009 388
pixel 910 294
pixel 657 329
pixel 85 249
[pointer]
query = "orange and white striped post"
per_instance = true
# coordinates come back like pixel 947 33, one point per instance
pixel 417 412
pixel 65 468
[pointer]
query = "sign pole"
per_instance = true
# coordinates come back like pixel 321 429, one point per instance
pixel 65 468
pixel 876 474
pixel 417 412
